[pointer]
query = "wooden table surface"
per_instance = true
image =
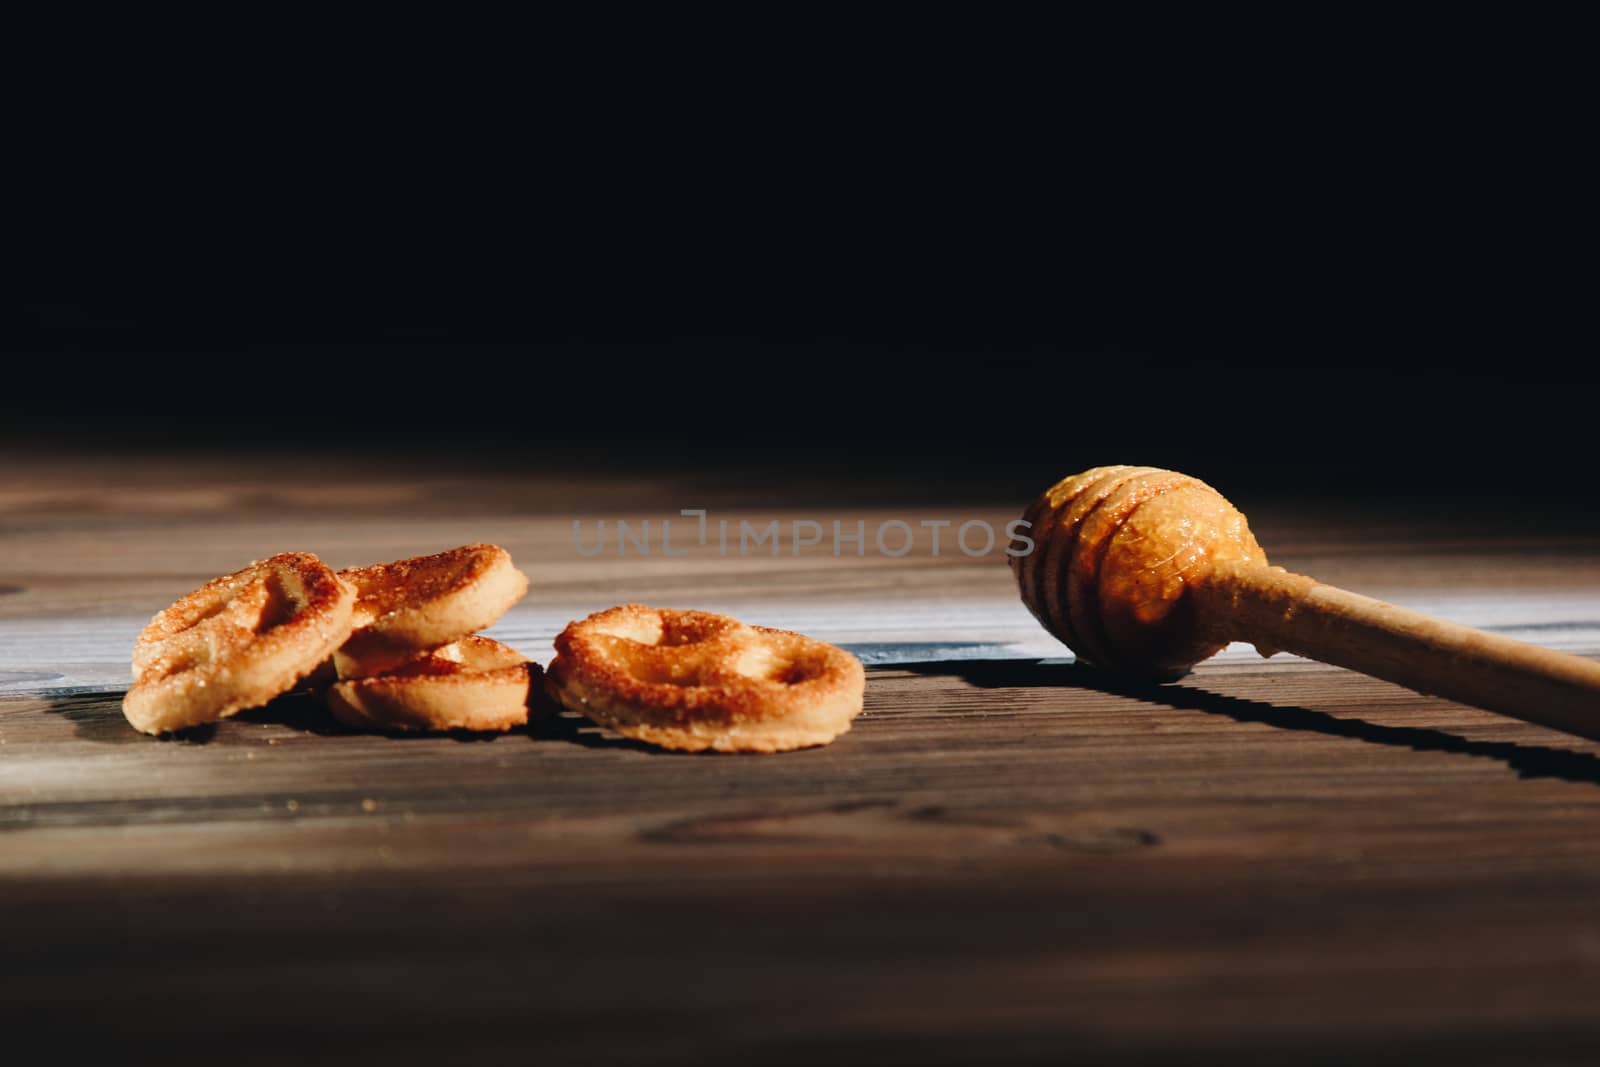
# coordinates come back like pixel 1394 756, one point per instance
pixel 1008 859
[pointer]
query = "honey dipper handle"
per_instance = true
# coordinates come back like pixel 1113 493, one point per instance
pixel 1279 611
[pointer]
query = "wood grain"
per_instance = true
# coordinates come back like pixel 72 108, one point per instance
pixel 1009 859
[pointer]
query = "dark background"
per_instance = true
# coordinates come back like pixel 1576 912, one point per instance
pixel 942 254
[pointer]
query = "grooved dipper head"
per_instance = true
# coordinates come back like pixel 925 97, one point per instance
pixel 1117 554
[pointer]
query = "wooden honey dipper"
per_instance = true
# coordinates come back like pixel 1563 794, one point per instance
pixel 1149 571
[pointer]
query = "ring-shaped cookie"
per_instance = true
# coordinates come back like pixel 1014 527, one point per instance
pixel 471 684
pixel 692 681
pixel 412 605
pixel 237 642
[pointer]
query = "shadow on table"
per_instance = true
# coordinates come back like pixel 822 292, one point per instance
pixel 561 725
pixel 1529 761
pixel 98 717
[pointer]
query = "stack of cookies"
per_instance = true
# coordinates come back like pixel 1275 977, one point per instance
pixel 395 646
pixel 414 660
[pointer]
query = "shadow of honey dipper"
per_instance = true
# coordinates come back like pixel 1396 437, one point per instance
pixel 1147 572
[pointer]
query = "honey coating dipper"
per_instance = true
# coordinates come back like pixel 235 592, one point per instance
pixel 1149 571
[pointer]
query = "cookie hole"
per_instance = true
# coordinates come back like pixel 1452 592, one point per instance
pixel 795 669
pixel 767 665
pixel 636 631
pixel 795 673
pixel 757 664
pixel 279 604
pixel 684 674
pixel 655 632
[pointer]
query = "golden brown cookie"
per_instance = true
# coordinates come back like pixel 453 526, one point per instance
pixel 692 680
pixel 470 684
pixel 237 642
pixel 413 605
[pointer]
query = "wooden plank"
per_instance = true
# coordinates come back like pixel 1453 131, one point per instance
pixel 1006 859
